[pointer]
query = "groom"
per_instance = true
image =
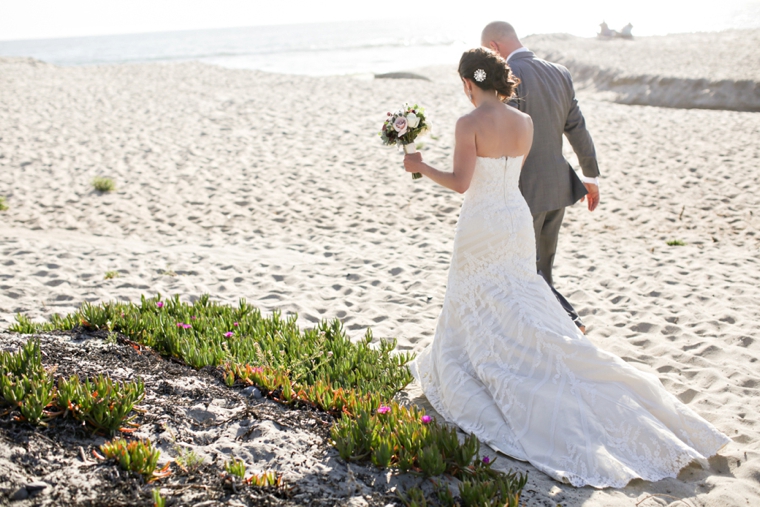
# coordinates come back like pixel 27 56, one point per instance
pixel 547 181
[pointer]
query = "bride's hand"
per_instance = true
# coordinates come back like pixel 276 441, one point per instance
pixel 413 163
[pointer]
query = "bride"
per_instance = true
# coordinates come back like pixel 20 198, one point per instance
pixel 507 364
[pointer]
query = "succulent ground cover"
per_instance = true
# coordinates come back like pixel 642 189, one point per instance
pixel 318 370
pixel 195 421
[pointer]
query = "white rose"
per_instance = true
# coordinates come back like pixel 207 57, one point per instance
pixel 413 120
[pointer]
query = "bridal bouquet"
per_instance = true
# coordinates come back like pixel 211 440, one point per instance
pixel 403 127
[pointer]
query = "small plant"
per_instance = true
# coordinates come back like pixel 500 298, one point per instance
pixel 158 500
pixel 445 498
pixel 486 487
pixel 676 242
pixel 102 403
pixel 102 184
pixel 167 272
pixel 24 383
pixel 235 467
pixel 111 275
pixel 265 480
pixel 3 204
pixel 138 456
pixel 414 497
pixel 187 458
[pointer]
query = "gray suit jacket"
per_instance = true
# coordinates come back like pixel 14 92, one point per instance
pixel 546 94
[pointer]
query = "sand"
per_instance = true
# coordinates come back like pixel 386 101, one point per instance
pixel 276 188
pixel 719 70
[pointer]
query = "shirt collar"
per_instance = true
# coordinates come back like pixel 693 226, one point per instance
pixel 522 49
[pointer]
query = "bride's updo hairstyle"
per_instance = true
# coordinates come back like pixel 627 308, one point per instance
pixel 488 71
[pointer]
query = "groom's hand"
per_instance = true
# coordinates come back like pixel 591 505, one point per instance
pixel 593 196
pixel 413 162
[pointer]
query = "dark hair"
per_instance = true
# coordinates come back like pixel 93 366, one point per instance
pixel 498 75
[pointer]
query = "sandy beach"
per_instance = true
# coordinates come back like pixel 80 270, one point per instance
pixel 276 188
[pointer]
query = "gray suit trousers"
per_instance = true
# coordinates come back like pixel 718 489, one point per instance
pixel 546 226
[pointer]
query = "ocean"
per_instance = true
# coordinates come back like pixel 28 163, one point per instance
pixel 355 47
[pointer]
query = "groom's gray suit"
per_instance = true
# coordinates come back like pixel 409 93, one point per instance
pixel 547 181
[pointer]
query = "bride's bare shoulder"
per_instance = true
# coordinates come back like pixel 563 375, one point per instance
pixel 468 122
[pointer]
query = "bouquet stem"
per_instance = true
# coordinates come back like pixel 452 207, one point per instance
pixel 409 149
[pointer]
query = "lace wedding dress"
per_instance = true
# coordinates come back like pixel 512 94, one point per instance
pixel 508 365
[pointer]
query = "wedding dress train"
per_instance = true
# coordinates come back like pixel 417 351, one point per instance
pixel 508 365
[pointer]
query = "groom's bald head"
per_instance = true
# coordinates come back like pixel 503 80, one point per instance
pixel 501 37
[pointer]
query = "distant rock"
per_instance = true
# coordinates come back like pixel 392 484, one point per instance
pixel 401 75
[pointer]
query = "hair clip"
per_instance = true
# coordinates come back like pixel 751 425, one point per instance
pixel 480 75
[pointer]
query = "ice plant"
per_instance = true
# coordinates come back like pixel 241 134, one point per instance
pixel 229 334
pixel 235 466
pixel 160 304
pixel 320 368
pixel 486 460
pixel 137 456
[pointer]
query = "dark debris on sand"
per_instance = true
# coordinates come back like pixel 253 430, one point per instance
pixel 184 409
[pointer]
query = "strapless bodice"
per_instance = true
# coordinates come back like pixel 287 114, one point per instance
pixel 496 180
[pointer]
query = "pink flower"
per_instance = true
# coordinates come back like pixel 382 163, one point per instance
pixel 180 324
pixel 186 326
pixel 192 318
pixel 400 125
pixel 229 334
pixel 236 324
pixel 160 304
pixel 486 460
pixel 426 419
pixel 382 409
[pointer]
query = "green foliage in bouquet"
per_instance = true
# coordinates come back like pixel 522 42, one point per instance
pixel 3 204
pixel 404 126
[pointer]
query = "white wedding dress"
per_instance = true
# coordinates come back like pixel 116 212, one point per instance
pixel 508 365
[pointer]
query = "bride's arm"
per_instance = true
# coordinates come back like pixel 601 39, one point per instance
pixel 465 156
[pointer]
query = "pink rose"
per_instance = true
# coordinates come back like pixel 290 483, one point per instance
pixel 400 125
